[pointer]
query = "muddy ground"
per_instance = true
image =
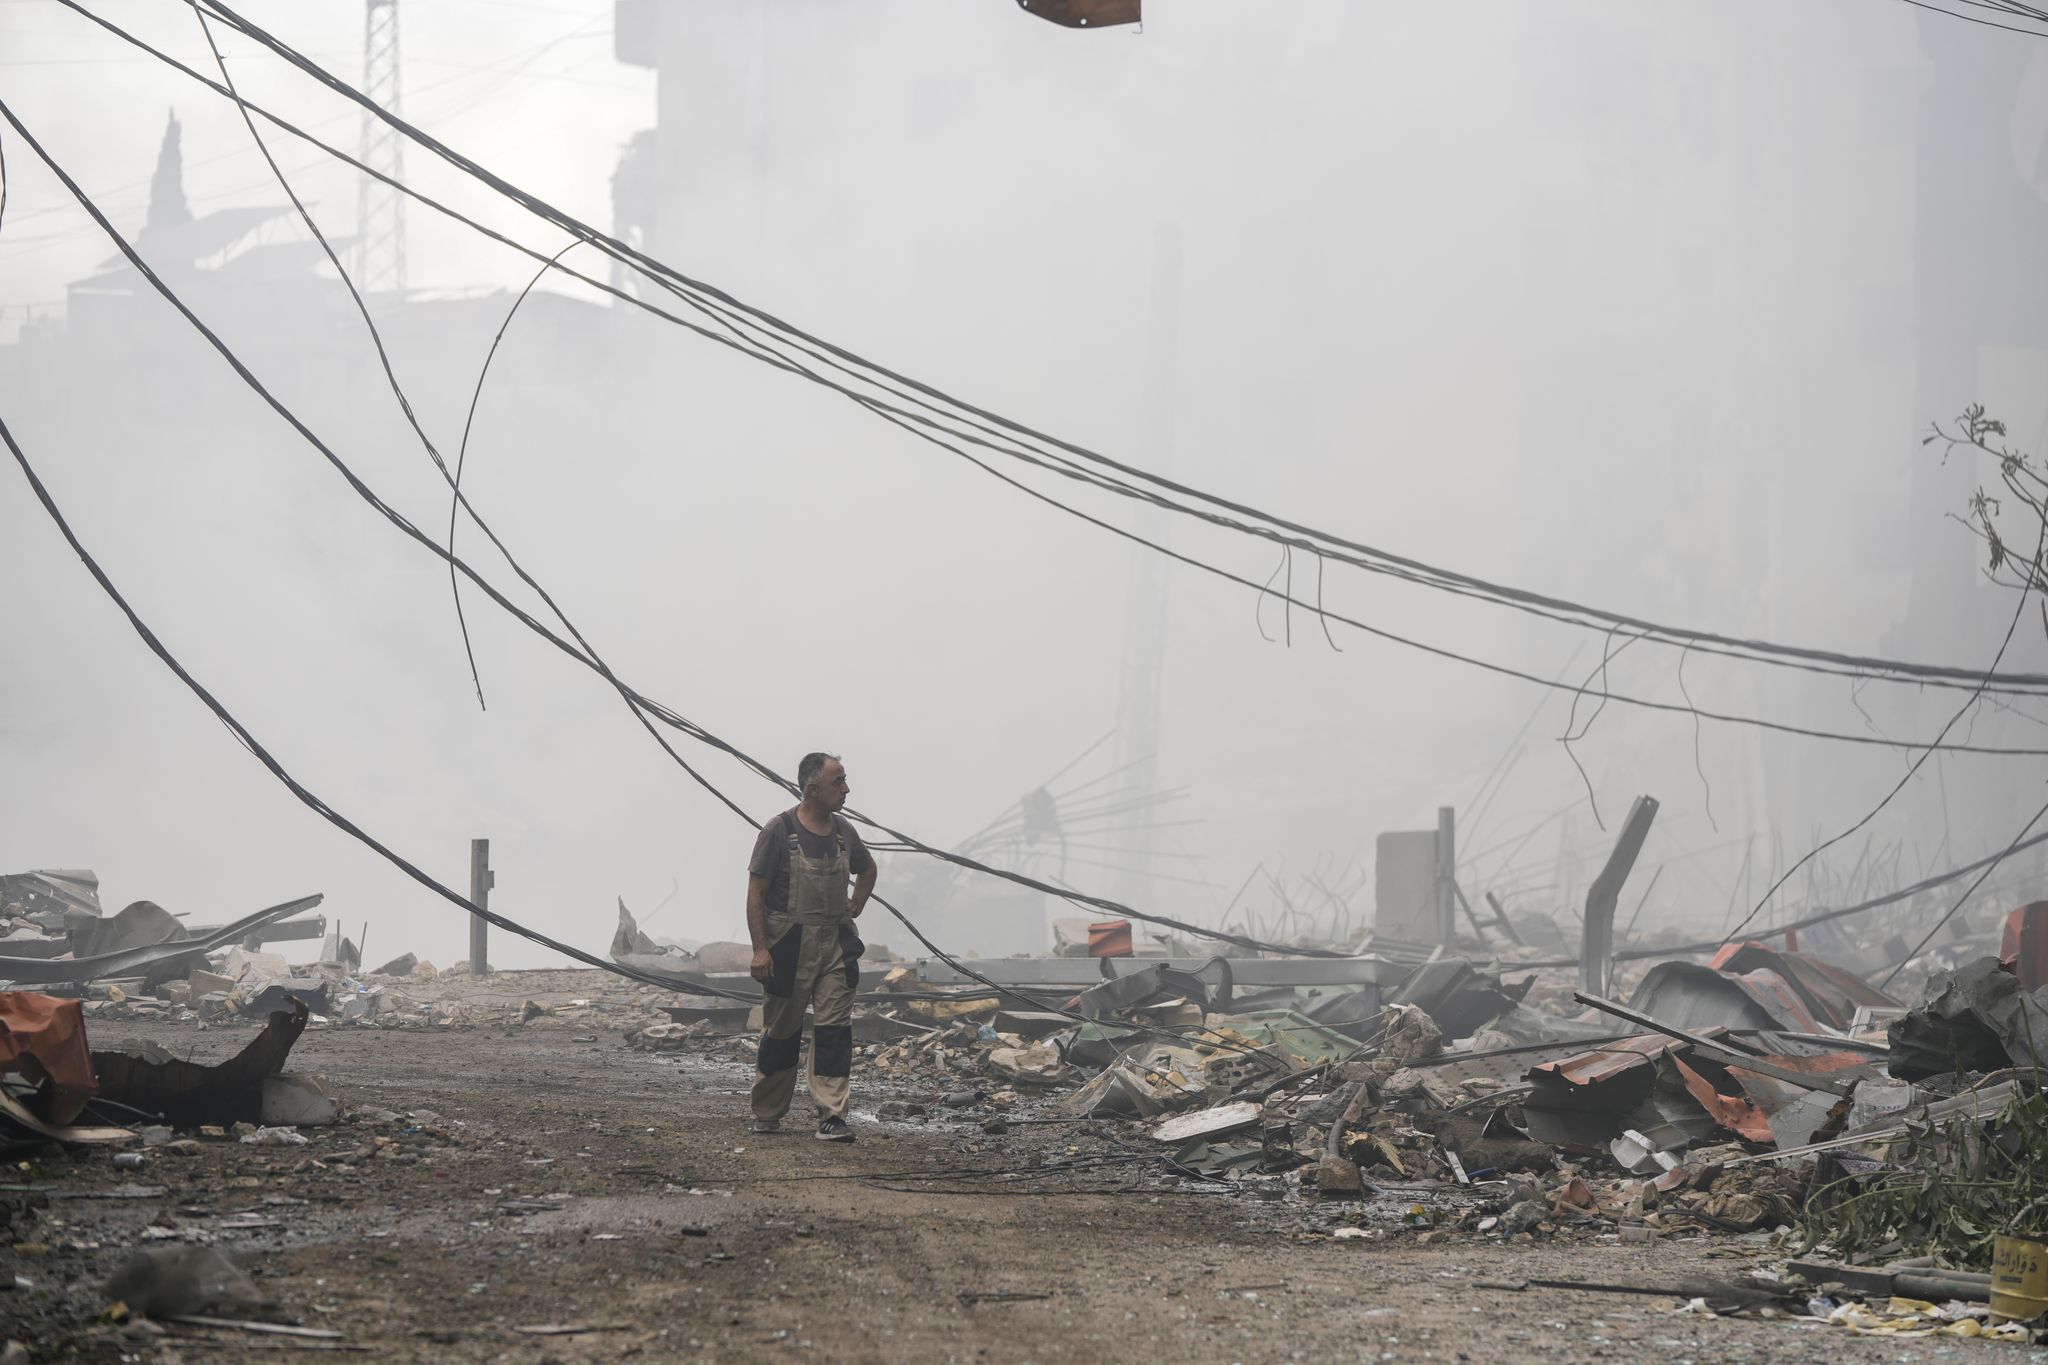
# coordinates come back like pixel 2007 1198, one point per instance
pixel 551 1176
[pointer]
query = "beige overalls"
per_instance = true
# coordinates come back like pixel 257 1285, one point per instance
pixel 816 957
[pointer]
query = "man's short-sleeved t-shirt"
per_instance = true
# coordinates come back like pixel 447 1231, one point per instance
pixel 771 854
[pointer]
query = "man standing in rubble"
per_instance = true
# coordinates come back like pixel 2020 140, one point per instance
pixel 808 881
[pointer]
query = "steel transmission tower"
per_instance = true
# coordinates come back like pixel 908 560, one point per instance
pixel 380 209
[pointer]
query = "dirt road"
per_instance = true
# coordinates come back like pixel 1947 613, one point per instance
pixel 549 1178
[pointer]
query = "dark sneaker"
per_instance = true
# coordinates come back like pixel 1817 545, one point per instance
pixel 834 1130
pixel 764 1125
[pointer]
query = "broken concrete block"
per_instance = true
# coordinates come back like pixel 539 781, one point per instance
pixel 241 961
pixel 1208 1123
pixel 203 983
pixel 1039 1064
pixel 296 1100
pixel 1337 1178
pixel 402 965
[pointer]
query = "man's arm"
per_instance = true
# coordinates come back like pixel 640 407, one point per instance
pixel 863 887
pixel 757 926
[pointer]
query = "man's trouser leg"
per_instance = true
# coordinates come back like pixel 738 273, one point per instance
pixel 783 999
pixel 832 1022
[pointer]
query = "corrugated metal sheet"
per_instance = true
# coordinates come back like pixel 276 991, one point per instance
pixel 1604 1064
pixel 1829 993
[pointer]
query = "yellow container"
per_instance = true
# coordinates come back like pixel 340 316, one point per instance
pixel 2019 1279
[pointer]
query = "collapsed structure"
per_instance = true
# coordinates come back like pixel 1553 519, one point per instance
pixel 1396 1091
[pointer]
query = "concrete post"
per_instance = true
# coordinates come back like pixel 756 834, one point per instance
pixel 1447 876
pixel 480 880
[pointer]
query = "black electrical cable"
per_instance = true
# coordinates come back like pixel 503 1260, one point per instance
pixel 635 699
pixel 581 651
pixel 277 770
pixel 589 659
pixel 1990 865
pixel 1860 668
pixel 1987 23
pixel 1903 893
pixel 777 362
pixel 641 706
pixel 1982 681
pixel 1504 670
pixel 383 357
pixel 900 418
pixel 2019 610
pixel 349 827
pixel 468 422
pixel 929 396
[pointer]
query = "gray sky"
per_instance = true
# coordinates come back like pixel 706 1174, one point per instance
pixel 1611 300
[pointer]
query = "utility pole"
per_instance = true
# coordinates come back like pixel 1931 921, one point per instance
pixel 1144 655
pixel 481 879
pixel 380 209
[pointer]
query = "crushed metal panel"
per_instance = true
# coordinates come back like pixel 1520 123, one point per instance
pixel 187 1093
pixel 1085 13
pixel 1209 987
pixel 1795 1114
pixel 1690 996
pixel 1459 998
pixel 141 924
pixel 1781 998
pixel 1671 1116
pixel 1803 1115
pixel 54 890
pixel 1976 1017
pixel 1830 993
pixel 313 927
pixel 132 961
pixel 628 940
pixel 1582 1103
pixel 1577 1103
pixel 1601 1065
pixel 1732 1112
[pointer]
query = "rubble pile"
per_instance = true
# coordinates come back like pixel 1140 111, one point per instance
pixel 1743 1098
pixel 1765 1093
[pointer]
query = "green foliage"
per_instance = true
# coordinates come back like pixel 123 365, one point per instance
pixel 1949 1190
